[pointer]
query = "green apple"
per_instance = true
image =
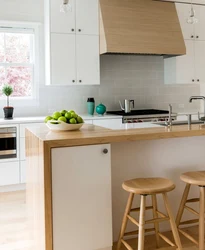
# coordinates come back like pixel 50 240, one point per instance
pixel 80 119
pixel 74 115
pixel 63 112
pixel 73 121
pixel 56 115
pixel 68 115
pixel 62 118
pixel 48 118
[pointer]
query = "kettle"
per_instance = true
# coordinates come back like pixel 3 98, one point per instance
pixel 127 108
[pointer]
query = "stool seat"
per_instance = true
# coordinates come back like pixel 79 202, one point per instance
pixel 148 185
pixel 195 178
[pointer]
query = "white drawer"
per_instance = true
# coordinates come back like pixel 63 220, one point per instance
pixel 23 127
pixel 9 173
pixel 22 171
pixel 22 148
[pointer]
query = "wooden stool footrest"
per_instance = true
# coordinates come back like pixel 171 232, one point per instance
pixel 147 230
pixel 166 239
pixel 133 220
pixel 191 210
pixel 137 209
pixel 189 222
pixel 192 200
pixel 126 245
pixel 157 220
pixel 188 236
pixel 161 214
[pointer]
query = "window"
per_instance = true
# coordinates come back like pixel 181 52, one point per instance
pixel 18 59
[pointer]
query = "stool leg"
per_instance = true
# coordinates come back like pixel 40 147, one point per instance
pixel 141 223
pixel 124 221
pixel 155 215
pixel 172 222
pixel 201 220
pixel 182 204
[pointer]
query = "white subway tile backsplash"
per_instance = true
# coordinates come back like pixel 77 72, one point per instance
pixel 136 77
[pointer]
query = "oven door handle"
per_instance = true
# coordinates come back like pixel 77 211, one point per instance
pixel 7 135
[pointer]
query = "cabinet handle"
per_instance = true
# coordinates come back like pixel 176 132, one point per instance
pixel 72 30
pixel 197 80
pixel 79 30
pixel 192 36
pixel 73 80
pixel 80 80
pixel 197 36
pixel 105 150
pixel 192 80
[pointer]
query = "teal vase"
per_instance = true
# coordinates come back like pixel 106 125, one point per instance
pixel 100 109
pixel 91 105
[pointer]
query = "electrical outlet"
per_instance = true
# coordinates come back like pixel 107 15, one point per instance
pixel 51 111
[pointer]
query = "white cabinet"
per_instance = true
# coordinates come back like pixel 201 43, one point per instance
pixel 63 59
pixel 200 61
pixel 183 11
pixel 72 43
pixel 61 22
pixel 81 198
pixel 9 173
pixel 108 123
pixel 87 16
pixel 82 18
pixel 88 65
pixel 191 31
pixel 188 68
pixel 200 25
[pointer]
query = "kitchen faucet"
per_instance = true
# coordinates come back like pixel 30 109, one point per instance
pixel 198 98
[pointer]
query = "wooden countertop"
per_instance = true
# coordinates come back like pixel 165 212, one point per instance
pixel 91 134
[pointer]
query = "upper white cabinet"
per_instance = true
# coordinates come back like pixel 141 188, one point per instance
pixel 188 68
pixel 81 18
pixel 87 50
pixel 87 17
pixel 72 43
pixel 62 22
pixel 195 31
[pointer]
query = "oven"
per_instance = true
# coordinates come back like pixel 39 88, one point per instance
pixel 8 142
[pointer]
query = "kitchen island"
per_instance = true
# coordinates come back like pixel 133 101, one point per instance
pixel 74 179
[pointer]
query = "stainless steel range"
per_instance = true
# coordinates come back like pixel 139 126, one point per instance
pixel 143 115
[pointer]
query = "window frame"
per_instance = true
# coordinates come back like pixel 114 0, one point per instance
pixel 35 26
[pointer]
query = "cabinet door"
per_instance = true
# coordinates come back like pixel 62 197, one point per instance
pixel 109 123
pixel 180 69
pixel 63 59
pixel 88 60
pixel 200 61
pixel 9 173
pixel 62 22
pixel 81 198
pixel 87 19
pixel 200 25
pixel 183 11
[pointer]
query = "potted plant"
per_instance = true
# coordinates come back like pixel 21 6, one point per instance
pixel 7 90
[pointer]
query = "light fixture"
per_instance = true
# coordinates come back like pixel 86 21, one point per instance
pixel 192 16
pixel 65 6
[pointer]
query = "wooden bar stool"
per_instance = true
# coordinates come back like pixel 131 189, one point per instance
pixel 193 178
pixel 144 187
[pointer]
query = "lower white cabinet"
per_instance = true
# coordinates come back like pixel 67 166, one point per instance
pixel 81 198
pixel 9 173
pixel 108 123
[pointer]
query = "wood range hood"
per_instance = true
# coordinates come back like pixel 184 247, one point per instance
pixel 140 27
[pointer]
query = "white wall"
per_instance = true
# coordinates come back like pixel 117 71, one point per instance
pixel 135 77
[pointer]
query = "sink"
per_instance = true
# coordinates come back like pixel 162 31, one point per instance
pixel 177 123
